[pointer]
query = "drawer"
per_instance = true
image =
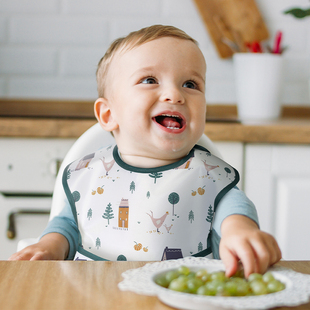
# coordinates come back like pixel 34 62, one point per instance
pixel 21 218
pixel 30 165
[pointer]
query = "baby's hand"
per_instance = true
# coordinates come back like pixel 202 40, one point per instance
pixel 32 252
pixel 242 240
pixel 52 246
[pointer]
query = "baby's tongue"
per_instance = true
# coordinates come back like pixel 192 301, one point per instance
pixel 169 122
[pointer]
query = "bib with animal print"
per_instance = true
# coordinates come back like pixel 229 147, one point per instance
pixel 138 214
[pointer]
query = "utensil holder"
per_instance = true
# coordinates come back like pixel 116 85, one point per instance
pixel 258 78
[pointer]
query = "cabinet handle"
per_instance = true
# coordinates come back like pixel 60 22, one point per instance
pixel 11 231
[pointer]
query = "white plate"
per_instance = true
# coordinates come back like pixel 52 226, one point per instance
pixel 140 280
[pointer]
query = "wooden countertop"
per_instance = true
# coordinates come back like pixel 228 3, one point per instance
pixel 295 131
pixel 63 285
pixel 53 119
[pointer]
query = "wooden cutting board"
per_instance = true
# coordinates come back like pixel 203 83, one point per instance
pixel 232 21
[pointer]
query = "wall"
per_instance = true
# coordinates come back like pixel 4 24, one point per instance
pixel 50 48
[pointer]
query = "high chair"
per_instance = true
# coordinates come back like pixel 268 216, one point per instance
pixel 92 140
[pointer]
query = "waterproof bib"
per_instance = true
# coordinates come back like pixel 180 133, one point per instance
pixel 137 214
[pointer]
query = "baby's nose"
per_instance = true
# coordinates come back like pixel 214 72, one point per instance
pixel 173 96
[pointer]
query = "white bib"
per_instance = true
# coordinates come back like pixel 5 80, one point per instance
pixel 137 214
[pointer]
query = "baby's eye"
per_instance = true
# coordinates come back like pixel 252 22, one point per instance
pixel 190 84
pixel 149 80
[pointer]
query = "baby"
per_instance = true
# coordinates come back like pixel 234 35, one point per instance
pixel 162 196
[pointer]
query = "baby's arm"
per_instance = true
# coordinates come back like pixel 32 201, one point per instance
pixel 52 246
pixel 236 222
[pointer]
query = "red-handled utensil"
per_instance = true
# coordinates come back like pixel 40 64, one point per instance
pixel 277 43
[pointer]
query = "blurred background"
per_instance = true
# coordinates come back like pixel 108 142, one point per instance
pixel 50 49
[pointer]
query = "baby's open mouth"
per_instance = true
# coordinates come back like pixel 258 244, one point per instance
pixel 170 121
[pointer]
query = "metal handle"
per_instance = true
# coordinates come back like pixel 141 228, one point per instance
pixel 11 231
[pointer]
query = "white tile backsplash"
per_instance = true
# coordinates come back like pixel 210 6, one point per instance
pixel 27 60
pixel 80 61
pixel 172 8
pixel 59 30
pixel 50 49
pixel 3 29
pixel 29 6
pixel 78 88
pixel 113 9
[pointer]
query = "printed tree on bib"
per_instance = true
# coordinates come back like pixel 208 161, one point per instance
pixel 173 198
pixel 132 186
pixel 98 243
pixel 210 214
pixel 156 175
pixel 89 214
pixel 200 247
pixel 108 214
pixel 191 216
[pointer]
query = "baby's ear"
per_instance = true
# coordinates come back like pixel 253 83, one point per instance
pixel 104 115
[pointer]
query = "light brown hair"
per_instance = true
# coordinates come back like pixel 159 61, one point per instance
pixel 131 41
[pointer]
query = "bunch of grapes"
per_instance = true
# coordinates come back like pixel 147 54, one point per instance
pixel 216 283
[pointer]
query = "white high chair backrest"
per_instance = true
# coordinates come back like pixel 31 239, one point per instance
pixel 92 140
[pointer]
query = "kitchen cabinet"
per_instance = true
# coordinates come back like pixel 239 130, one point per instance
pixel 28 169
pixel 277 180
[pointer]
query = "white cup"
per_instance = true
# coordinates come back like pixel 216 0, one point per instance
pixel 258 78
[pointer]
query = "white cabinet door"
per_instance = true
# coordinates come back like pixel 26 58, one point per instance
pixel 277 180
pixel 29 165
pixel 27 176
pixel 232 153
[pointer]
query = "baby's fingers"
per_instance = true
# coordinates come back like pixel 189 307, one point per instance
pixel 267 252
pixel 230 262
pixel 242 252
pixel 31 252
pixel 21 255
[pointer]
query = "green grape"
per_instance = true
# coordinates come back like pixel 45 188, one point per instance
pixel 191 275
pixel 171 275
pixel 193 285
pixel 231 287
pixel 178 285
pixel 215 286
pixel 222 291
pixel 243 288
pixel 203 290
pixel 205 278
pixel 162 281
pixel 275 286
pixel 254 276
pixel 239 274
pixel 211 288
pixel 184 270
pixel 258 287
pixel 219 275
pixel 201 273
pixel 267 277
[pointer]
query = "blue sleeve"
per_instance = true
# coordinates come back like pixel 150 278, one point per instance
pixel 234 202
pixel 65 225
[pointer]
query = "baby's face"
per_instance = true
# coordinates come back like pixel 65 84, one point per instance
pixel 156 93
